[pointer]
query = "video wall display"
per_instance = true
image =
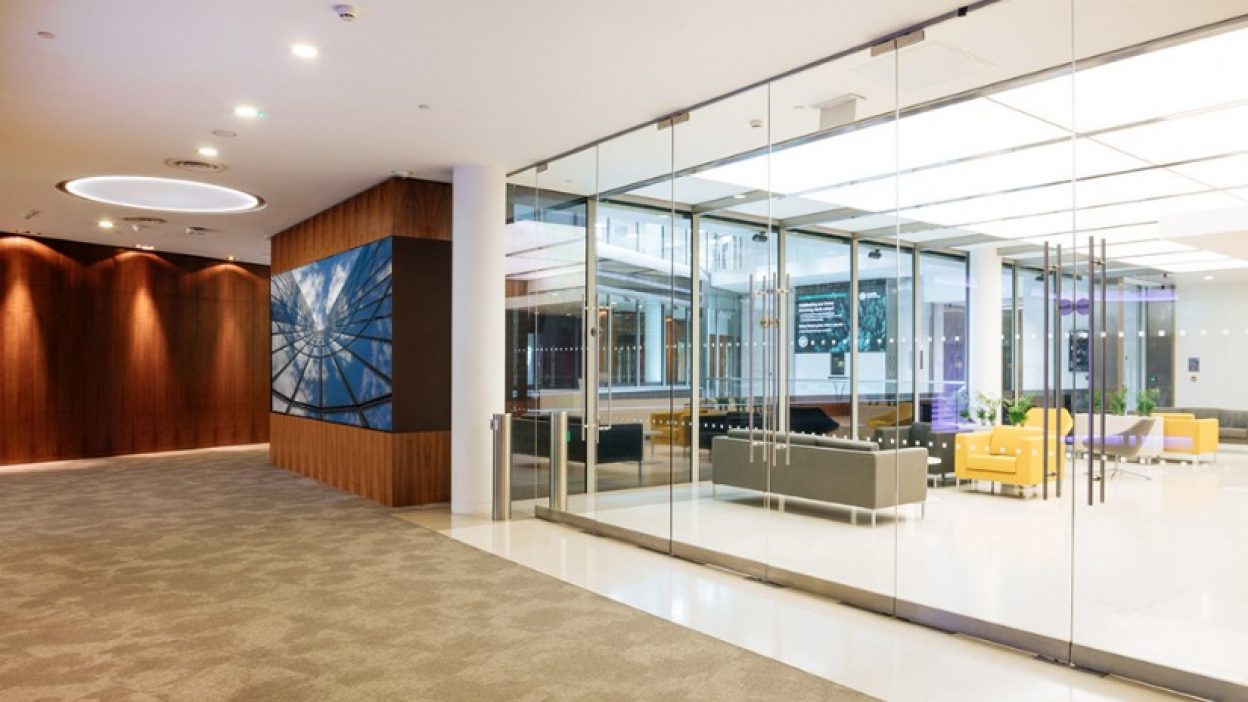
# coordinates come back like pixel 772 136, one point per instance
pixel 822 317
pixel 332 338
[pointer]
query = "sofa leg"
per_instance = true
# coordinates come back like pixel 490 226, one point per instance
pixel 853 516
pixel 922 510
pixel 872 519
pixel 780 503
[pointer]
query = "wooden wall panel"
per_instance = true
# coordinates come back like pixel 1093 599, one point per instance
pixel 392 468
pixel 403 207
pixel 110 351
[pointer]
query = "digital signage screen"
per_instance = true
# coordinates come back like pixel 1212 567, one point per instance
pixel 822 317
pixel 332 338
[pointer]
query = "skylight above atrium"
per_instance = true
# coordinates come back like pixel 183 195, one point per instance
pixel 1161 133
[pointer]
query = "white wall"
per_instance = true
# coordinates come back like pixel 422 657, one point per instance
pixel 1211 323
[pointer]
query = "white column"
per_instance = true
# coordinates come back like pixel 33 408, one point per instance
pixel 478 213
pixel 985 340
pixel 653 341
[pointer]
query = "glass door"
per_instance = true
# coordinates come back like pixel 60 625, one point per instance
pixel 984 172
pixel 545 288
pixel 639 376
pixel 1160 564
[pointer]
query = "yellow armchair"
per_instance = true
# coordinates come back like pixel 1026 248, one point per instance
pixel 1184 433
pixel 1013 455
pixel 900 415
pixel 1060 421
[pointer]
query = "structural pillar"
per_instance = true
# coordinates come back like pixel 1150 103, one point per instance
pixel 985 342
pixel 653 342
pixel 478 214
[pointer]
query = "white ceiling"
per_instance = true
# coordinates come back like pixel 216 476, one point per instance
pixel 126 85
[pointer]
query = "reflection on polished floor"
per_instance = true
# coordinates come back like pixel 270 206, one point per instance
pixel 887 658
pixel 1157 574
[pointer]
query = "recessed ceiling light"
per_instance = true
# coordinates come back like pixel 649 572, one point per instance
pixel 105 223
pixel 229 258
pixel 739 196
pixel 304 51
pixel 224 133
pixel 1208 277
pixel 145 247
pixel 165 194
pixel 208 151
pixel 248 112
pixel 46 35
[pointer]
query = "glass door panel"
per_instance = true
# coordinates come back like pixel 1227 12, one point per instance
pixel 833 175
pixel 1161 549
pixel 545 288
pixel 640 263
pixel 719 500
pixel 977 168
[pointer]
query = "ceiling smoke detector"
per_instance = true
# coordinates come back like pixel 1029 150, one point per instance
pixel 347 13
pixel 194 165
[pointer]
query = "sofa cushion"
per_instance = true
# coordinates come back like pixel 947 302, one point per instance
pixel 1205 412
pixel 846 444
pixel 798 439
pixel 920 433
pixel 1235 419
pixel 993 464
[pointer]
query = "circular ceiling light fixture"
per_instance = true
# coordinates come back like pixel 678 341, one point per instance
pixel 248 112
pixel 208 151
pixel 162 194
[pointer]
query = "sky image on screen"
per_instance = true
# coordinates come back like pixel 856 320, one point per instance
pixel 331 329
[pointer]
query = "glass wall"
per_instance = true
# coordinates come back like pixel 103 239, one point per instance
pixel 897 328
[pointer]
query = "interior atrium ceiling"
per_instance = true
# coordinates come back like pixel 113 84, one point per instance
pixel 984 143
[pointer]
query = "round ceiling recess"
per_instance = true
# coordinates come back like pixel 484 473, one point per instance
pixel 162 194
pixel 194 165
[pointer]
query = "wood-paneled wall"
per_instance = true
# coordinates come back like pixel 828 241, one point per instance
pixel 392 468
pixel 396 207
pixel 380 466
pixel 107 351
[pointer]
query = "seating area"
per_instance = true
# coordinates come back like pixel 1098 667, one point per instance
pixel 856 474
pixel 1186 435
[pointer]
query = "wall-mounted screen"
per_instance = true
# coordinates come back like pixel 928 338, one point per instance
pixel 332 334
pixel 822 317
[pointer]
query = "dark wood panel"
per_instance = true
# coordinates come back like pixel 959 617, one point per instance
pixel 394 469
pixel 401 207
pixel 108 351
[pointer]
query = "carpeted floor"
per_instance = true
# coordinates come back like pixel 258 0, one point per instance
pixel 213 576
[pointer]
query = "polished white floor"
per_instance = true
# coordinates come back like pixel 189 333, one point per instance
pixel 880 656
pixel 1160 569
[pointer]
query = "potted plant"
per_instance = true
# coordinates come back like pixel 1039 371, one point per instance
pixel 1147 401
pixel 986 411
pixel 1118 402
pixel 1016 409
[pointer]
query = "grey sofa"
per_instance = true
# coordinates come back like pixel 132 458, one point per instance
pixel 853 473
pixel 939 444
pixel 1232 424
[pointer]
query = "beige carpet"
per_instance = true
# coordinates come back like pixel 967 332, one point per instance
pixel 213 576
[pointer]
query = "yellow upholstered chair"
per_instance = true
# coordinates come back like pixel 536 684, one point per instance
pixel 900 415
pixel 1060 421
pixel 1013 455
pixel 1188 435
